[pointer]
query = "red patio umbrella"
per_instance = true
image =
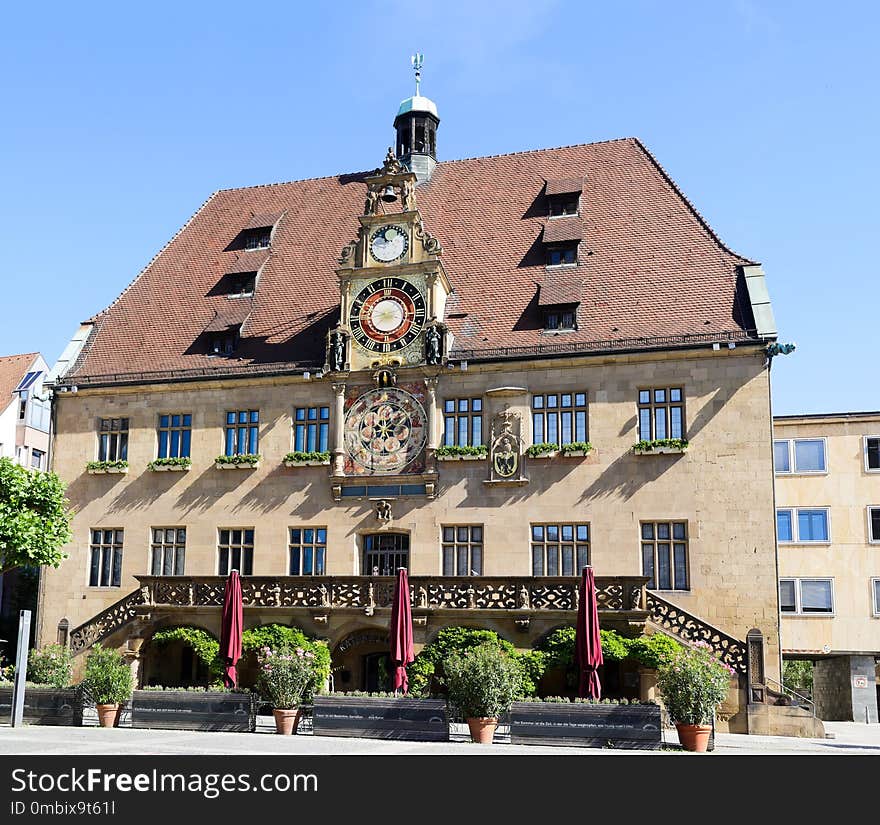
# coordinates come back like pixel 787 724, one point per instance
pixel 401 631
pixel 587 641
pixel 230 629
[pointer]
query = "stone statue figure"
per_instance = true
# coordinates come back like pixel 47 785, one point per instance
pixel 433 345
pixel 370 202
pixel 383 510
pixel 337 352
pixel 408 199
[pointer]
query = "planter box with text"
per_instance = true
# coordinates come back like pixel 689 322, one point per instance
pixel 422 720
pixel 192 710
pixel 45 706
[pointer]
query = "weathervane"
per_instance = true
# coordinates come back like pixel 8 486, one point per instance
pixel 418 61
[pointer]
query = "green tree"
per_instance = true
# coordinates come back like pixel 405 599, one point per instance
pixel 34 518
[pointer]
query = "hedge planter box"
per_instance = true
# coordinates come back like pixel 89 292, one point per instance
pixel 191 710
pixel 575 453
pixel 99 471
pixel 170 468
pixel 636 727
pixel 659 450
pixel 291 463
pixel 45 706
pixel 228 465
pixel 461 457
pixel 423 720
pixel 551 454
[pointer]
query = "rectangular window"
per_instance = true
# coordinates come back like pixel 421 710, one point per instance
pixel 37 459
pixel 308 551
pixel 462 550
pixel 665 554
pixel 242 432
pixel 311 429
pixel 38 418
pixel 463 422
pixel 874 525
pixel 168 551
pixel 799 455
pixel 661 413
pixel 112 439
pixel 875 588
pixel 561 255
pixel 560 549
pixel 872 453
pixel 236 551
pixel 175 435
pixel 258 238
pixel 801 525
pixel 105 563
pixel 562 205
pixel 559 418
pixel 806 596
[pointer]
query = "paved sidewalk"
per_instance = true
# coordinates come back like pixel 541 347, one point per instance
pixel 850 738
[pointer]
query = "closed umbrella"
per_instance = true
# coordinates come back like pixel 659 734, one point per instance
pixel 401 632
pixel 231 623
pixel 587 641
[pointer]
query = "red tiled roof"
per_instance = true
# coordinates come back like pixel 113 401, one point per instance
pixel 12 370
pixel 234 314
pixel 563 229
pixel 560 288
pixel 653 267
pixel 262 220
pixel 564 186
pixel 247 262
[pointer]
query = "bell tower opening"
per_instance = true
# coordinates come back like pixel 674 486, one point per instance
pixel 416 124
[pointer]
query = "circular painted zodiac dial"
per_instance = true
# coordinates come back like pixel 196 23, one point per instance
pixel 385 430
pixel 387 315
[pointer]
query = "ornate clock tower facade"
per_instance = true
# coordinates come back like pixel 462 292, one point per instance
pixel 391 343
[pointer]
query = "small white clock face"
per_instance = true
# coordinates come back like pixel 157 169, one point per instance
pixel 387 315
pixel 388 243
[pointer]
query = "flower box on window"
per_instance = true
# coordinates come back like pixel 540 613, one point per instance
pixel 544 450
pixel 247 461
pixel 661 446
pixel 577 449
pixel 101 467
pixel 173 465
pixel 451 452
pixel 307 459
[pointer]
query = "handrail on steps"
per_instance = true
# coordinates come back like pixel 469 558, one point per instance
pixel 809 704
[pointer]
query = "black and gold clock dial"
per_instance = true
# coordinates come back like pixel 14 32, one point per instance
pixel 387 315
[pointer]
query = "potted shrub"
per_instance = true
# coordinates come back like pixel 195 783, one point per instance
pixel 660 446
pixel 108 683
pixel 452 452
pixel 101 467
pixel 543 450
pixel 577 449
pixel 179 465
pixel 482 684
pixel 307 459
pixel 286 679
pixel 692 682
pixel 245 461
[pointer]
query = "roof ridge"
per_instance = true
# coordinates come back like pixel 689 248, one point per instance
pixel 678 191
pixel 19 355
pixel 151 261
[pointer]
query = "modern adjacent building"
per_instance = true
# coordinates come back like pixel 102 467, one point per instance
pixel 828 524
pixel 491 371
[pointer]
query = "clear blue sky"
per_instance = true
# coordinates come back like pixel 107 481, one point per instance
pixel 120 119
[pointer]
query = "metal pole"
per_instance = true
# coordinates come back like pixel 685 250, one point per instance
pixel 24 633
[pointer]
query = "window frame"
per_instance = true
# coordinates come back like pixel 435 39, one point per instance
pixel 652 405
pixel 242 545
pixel 875 596
pixel 873 539
pixel 163 545
pixel 457 415
pixel 170 429
pixel 110 433
pixel 39 464
pixel 572 246
pixel 455 543
pixel 102 547
pixel 558 200
pixel 558 411
pixel 318 548
pixel 655 540
pixel 865 439
pixel 237 426
pixel 792 457
pixel 546 542
pixel 320 423
pixel 796 539
pixel 798 598
pixel 560 313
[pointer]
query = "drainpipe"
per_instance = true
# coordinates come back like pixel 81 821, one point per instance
pixel 50 468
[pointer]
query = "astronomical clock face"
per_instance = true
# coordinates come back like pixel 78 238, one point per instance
pixel 385 431
pixel 387 315
pixel 388 243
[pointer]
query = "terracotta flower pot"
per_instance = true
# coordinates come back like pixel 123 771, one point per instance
pixel 482 729
pixel 694 737
pixel 286 720
pixel 108 715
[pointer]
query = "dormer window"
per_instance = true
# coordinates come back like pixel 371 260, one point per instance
pixel 560 206
pixel 223 343
pixel 242 283
pixel 257 238
pixel 562 255
pixel 560 319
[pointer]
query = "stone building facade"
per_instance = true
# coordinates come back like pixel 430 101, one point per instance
pixel 519 365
